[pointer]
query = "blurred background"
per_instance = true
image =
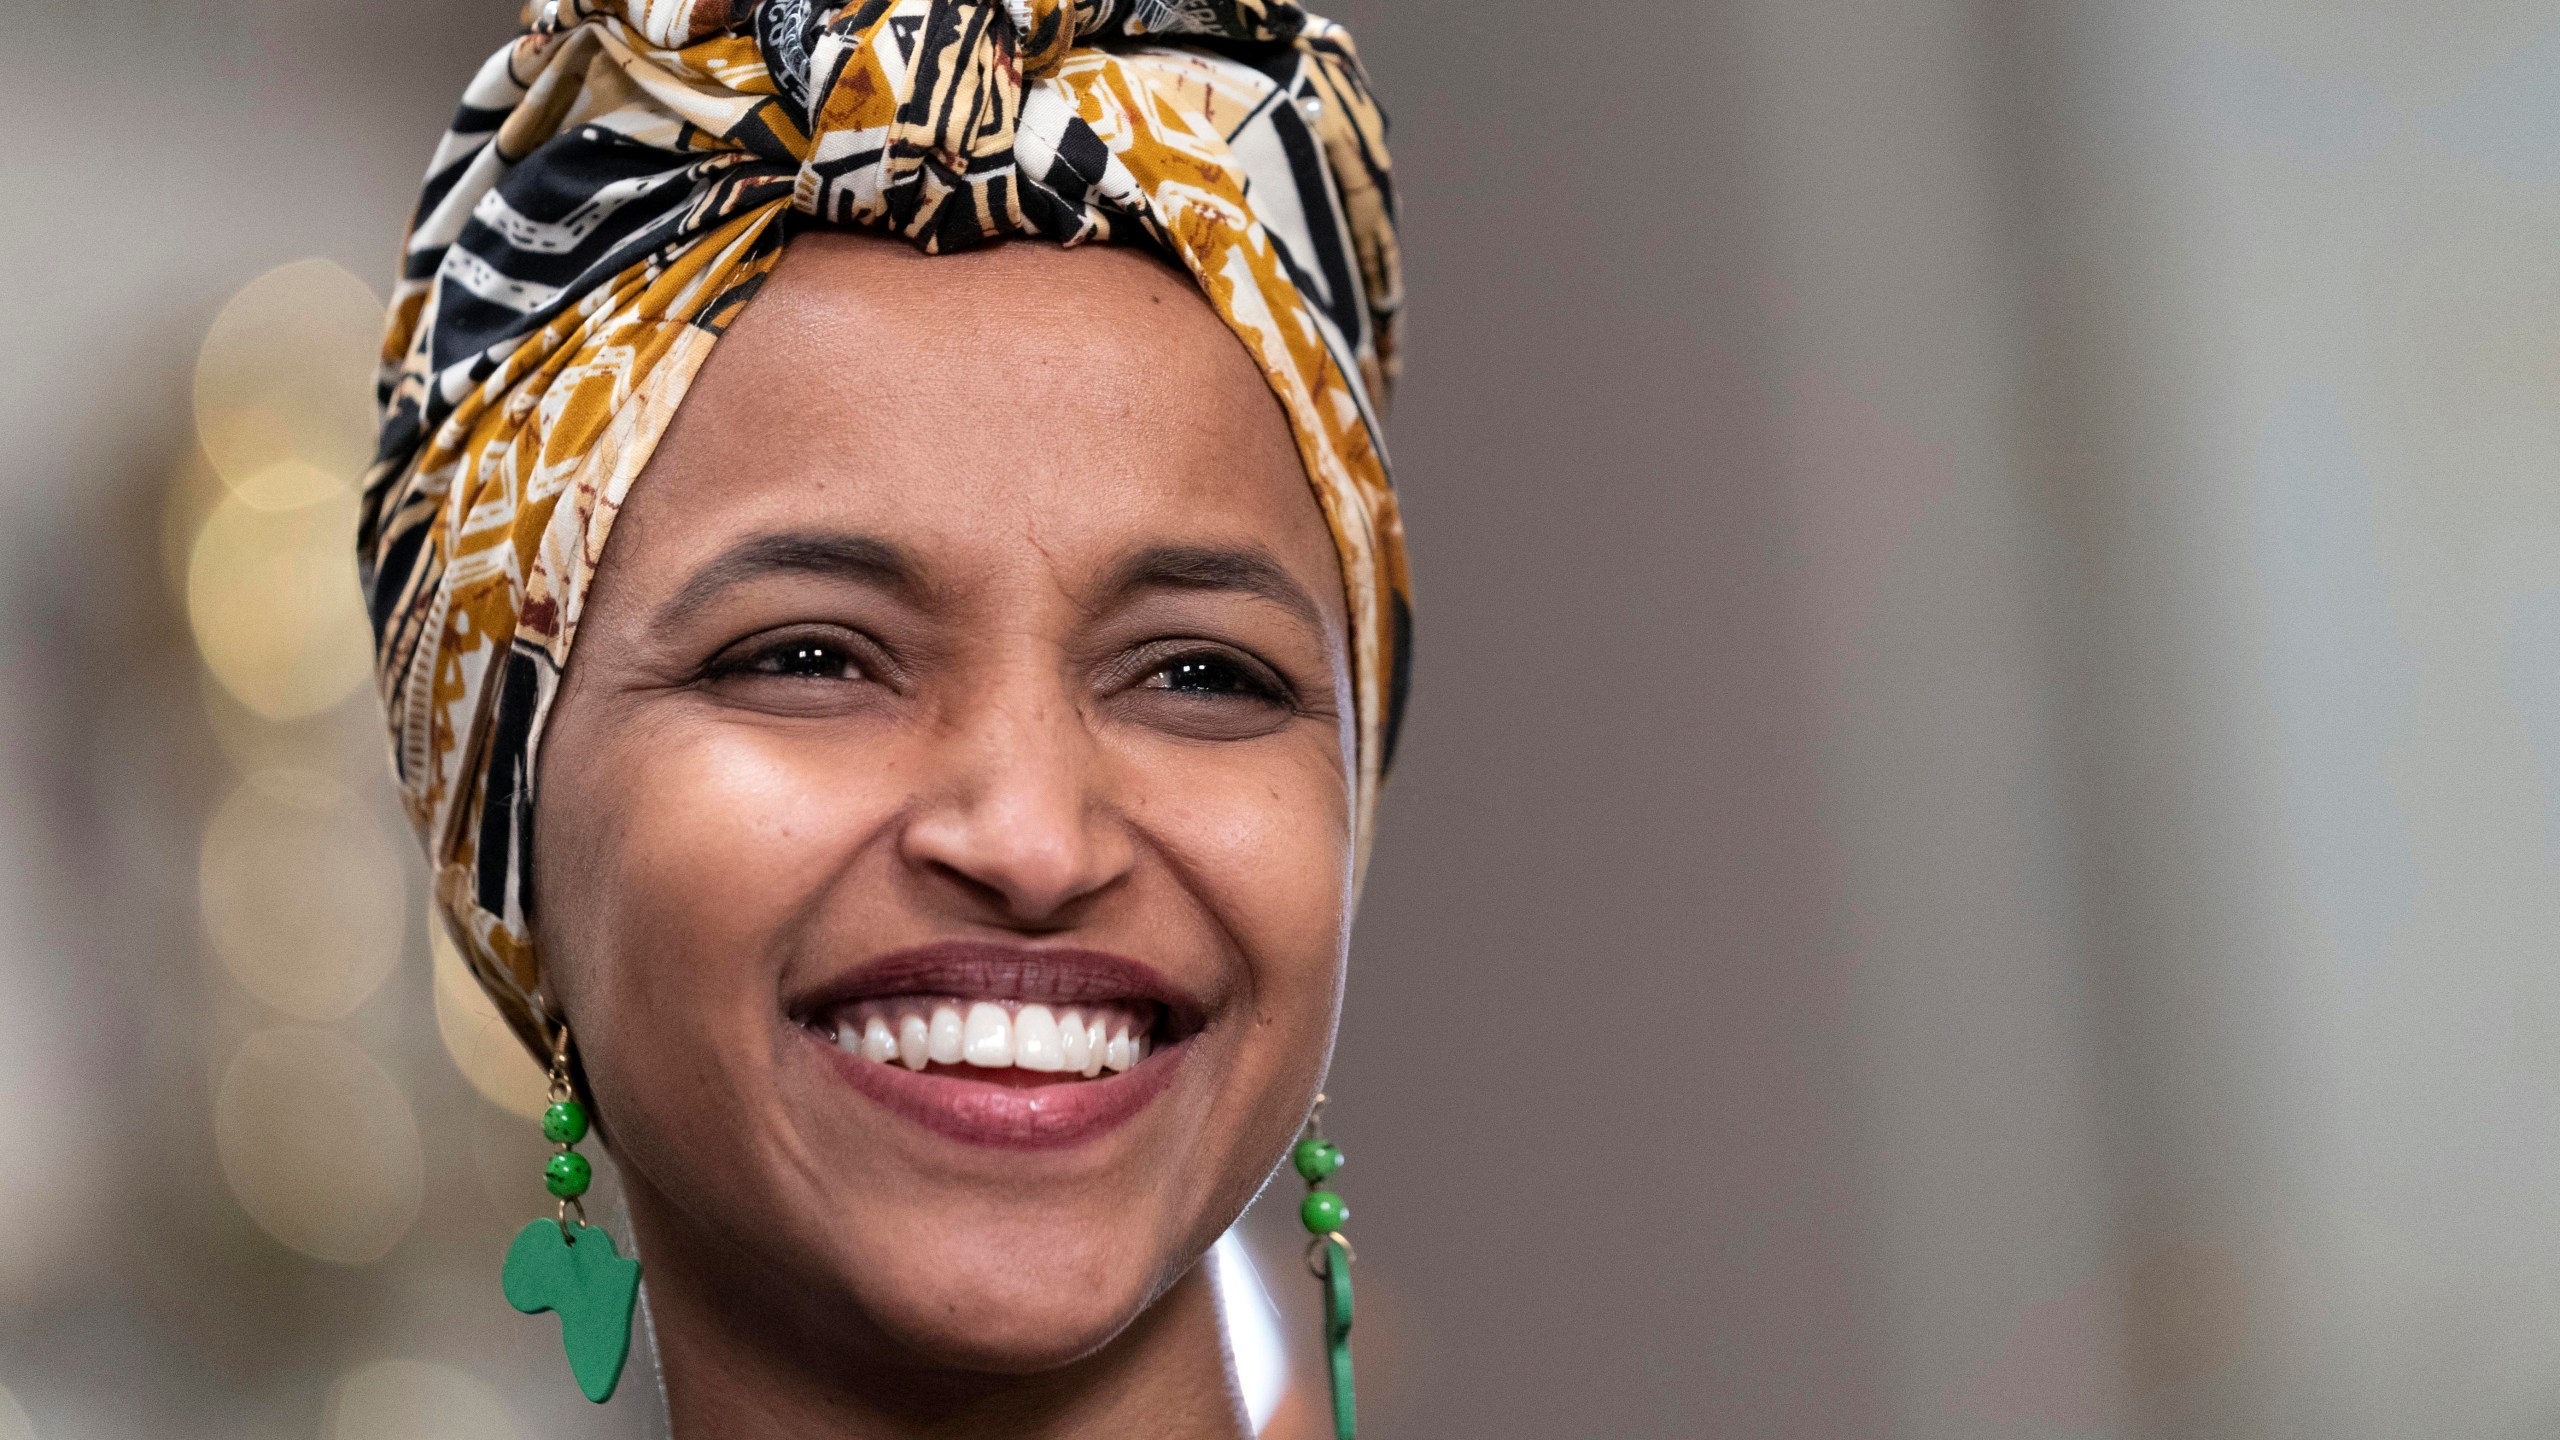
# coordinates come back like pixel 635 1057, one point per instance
pixel 1989 693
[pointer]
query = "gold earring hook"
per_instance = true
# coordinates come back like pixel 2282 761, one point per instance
pixel 561 1088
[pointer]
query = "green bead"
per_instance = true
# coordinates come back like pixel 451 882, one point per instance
pixel 567 1175
pixel 1316 1159
pixel 1322 1212
pixel 565 1123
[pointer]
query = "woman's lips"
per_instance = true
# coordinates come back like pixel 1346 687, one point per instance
pixel 1008 1045
pixel 987 970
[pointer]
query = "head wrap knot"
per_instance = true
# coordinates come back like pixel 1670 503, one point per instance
pixel 1045 30
pixel 621 178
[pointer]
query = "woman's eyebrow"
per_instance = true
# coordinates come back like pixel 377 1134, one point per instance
pixel 863 559
pixel 1246 569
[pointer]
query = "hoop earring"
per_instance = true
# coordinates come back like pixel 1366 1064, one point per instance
pixel 567 1265
pixel 1329 1256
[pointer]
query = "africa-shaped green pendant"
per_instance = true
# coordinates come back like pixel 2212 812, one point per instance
pixel 579 1274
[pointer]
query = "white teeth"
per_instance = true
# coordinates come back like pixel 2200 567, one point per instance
pixel 1036 1042
pixel 877 1042
pixel 987 1037
pixel 1072 1043
pixel 1087 1040
pixel 942 1041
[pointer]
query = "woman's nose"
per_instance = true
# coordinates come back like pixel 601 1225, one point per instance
pixel 1014 827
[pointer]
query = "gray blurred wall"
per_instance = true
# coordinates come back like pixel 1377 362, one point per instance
pixel 1974 853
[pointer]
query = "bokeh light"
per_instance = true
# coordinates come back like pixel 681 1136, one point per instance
pixel 302 894
pixel 414 1400
pixel 318 1144
pixel 476 1036
pixel 272 596
pixel 284 383
pixel 288 485
pixel 285 419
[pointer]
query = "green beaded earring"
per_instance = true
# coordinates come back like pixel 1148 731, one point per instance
pixel 569 1266
pixel 1328 1256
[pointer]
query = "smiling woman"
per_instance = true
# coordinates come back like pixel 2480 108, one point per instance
pixel 891 756
pixel 932 867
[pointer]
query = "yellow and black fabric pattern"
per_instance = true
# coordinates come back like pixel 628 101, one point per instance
pixel 622 177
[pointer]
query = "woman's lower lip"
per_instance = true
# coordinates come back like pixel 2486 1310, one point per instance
pixel 977 1112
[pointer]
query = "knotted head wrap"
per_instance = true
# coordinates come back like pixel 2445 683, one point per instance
pixel 623 176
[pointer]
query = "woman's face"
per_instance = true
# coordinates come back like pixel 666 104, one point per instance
pixel 967 676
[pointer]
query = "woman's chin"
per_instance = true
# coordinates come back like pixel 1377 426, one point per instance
pixel 966 1313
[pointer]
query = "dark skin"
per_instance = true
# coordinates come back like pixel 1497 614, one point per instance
pixel 974 597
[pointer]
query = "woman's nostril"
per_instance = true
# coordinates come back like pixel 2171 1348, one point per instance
pixel 1018 874
pixel 1012 899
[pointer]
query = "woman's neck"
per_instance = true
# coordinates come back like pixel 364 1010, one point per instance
pixel 737 1369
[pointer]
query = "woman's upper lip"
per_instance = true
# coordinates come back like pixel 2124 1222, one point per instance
pixel 998 970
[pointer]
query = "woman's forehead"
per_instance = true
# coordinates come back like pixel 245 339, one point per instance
pixel 981 409
pixel 1010 320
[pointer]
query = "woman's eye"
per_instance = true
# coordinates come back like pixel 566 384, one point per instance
pixel 810 659
pixel 1210 694
pixel 807 670
pixel 800 658
pixel 1211 675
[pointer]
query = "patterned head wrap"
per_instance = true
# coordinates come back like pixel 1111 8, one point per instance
pixel 623 176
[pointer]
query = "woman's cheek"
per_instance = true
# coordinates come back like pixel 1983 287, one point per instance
pixel 1268 836
pixel 737 826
